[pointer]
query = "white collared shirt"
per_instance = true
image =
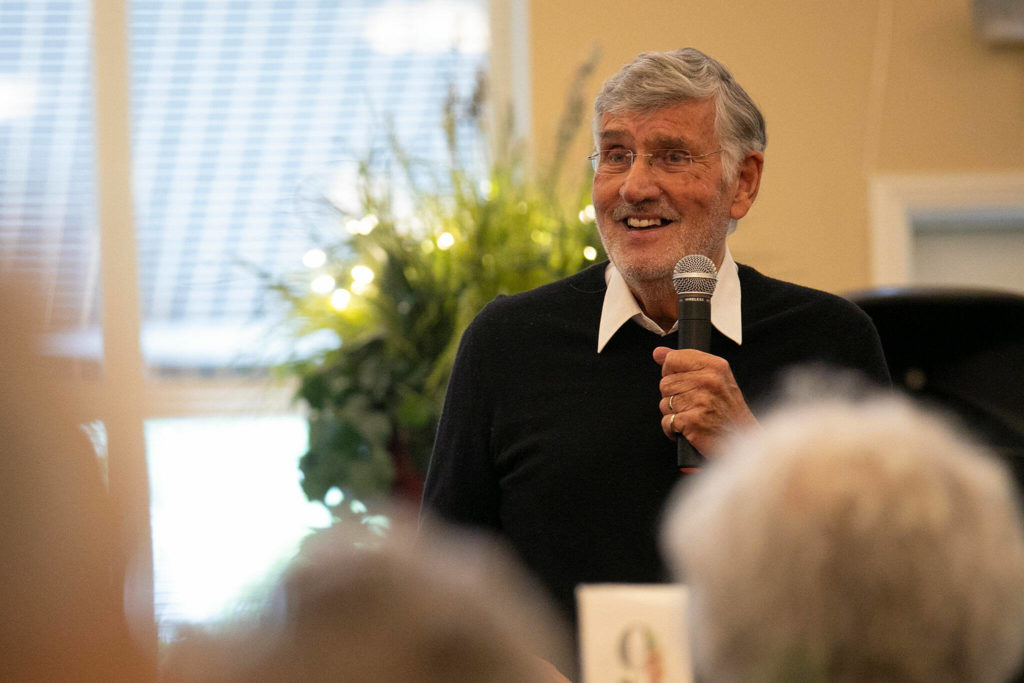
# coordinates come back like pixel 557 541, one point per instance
pixel 620 306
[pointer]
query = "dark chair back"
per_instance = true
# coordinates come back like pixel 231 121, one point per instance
pixel 962 349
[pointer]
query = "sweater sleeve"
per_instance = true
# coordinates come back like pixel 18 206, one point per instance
pixel 854 342
pixel 866 352
pixel 791 325
pixel 461 485
pixel 851 340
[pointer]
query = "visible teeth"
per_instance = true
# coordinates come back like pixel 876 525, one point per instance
pixel 642 222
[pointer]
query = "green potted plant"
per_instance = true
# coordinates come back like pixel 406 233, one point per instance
pixel 398 294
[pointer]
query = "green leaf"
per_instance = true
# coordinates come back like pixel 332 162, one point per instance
pixel 379 394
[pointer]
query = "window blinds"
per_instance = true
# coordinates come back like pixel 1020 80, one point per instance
pixel 235 106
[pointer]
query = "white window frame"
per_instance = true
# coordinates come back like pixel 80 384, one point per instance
pixel 509 84
pixel 126 395
pixel 895 200
pixel 122 384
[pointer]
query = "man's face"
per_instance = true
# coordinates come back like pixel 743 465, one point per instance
pixel 649 219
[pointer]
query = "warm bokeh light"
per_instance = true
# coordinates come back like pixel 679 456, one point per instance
pixel 362 226
pixel 322 284
pixel 589 253
pixel 340 299
pixel 445 240
pixel 541 237
pixel 314 258
pixel 587 214
pixel 368 223
pixel 334 495
pixel 362 275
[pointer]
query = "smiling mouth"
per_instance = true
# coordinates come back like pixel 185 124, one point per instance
pixel 645 223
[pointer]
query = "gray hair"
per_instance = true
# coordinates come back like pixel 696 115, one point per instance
pixel 654 80
pixel 431 606
pixel 851 542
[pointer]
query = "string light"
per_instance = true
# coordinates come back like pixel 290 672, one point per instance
pixel 368 223
pixel 362 226
pixel 362 275
pixel 334 496
pixel 314 258
pixel 340 299
pixel 445 240
pixel 322 284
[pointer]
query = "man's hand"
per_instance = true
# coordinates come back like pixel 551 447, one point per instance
pixel 700 398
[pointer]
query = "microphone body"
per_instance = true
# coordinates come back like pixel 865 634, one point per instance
pixel 694 279
pixel 695 323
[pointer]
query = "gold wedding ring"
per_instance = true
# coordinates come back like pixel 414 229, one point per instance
pixel 670 402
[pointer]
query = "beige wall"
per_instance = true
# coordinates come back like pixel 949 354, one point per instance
pixel 848 90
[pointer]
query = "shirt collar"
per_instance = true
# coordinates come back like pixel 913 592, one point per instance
pixel 620 306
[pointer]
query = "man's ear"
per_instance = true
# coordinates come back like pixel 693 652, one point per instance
pixel 748 181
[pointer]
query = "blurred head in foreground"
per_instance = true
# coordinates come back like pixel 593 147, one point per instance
pixel 62 571
pixel 852 542
pixel 431 609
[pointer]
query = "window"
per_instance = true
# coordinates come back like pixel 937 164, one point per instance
pixel 949 230
pixel 237 107
pixel 970 248
pixel 48 229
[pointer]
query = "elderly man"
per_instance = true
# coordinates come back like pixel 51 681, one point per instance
pixel 852 542
pixel 555 422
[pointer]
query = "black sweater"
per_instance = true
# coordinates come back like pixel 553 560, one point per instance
pixel 559 449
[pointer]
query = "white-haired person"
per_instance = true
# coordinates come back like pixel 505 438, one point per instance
pixel 354 606
pixel 852 541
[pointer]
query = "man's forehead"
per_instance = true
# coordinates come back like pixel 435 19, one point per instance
pixel 687 122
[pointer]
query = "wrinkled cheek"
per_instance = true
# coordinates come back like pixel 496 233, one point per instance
pixel 605 194
pixel 604 224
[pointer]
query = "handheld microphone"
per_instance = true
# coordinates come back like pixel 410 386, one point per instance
pixel 694 279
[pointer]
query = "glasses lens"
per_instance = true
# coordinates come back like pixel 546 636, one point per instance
pixel 614 160
pixel 667 160
pixel 672 160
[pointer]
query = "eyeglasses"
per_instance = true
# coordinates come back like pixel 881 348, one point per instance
pixel 612 161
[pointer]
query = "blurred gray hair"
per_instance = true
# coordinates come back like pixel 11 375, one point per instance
pixel 431 607
pixel 850 542
pixel 654 80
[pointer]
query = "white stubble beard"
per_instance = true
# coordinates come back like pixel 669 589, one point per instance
pixel 707 239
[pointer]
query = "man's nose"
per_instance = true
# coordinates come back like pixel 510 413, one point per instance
pixel 640 182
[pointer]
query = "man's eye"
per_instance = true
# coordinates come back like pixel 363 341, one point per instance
pixel 677 157
pixel 616 156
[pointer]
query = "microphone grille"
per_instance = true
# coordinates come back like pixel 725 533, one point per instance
pixel 695 275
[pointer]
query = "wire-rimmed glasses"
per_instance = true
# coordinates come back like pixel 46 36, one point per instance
pixel 612 161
